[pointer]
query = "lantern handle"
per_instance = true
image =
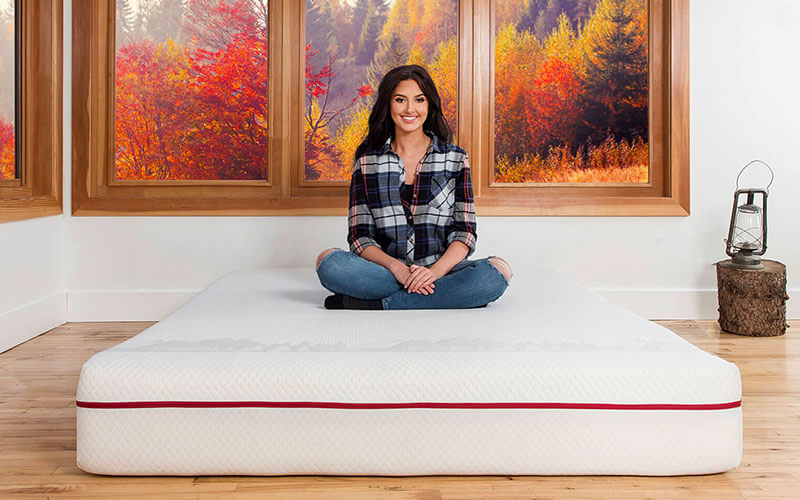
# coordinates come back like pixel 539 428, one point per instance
pixel 771 173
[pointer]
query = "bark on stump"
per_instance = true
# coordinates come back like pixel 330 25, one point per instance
pixel 752 301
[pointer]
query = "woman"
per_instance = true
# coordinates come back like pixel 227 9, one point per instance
pixel 412 217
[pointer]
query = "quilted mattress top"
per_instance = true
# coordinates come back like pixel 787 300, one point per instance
pixel 263 335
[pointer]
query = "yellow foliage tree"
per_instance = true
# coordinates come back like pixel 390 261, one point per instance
pixel 348 138
pixel 321 158
pixel 563 44
pixel 518 56
pixel 444 72
pixel 416 56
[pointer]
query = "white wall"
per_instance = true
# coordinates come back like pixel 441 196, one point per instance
pixel 32 294
pixel 744 105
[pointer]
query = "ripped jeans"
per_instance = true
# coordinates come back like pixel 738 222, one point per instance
pixel 471 283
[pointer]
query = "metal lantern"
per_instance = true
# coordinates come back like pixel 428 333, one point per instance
pixel 747 233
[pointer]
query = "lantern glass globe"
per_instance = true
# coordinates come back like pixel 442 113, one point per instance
pixel 747 230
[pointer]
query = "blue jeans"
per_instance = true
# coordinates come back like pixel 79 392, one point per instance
pixel 471 283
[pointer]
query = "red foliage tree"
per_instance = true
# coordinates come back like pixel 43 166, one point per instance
pixel 553 109
pixel 230 138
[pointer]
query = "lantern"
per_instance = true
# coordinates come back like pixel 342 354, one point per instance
pixel 747 233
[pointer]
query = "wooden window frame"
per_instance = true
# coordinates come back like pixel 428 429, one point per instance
pixel 37 191
pixel 287 193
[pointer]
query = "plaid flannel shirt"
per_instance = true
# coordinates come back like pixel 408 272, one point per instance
pixel 442 208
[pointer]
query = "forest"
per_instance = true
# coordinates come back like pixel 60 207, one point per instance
pixel 571 96
pixel 571 82
pixel 571 91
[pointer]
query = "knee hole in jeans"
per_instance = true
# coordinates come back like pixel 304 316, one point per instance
pixel 502 266
pixel 323 255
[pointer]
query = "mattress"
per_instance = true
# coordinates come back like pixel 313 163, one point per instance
pixel 254 377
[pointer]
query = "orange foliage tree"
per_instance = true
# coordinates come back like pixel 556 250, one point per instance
pixel 7 150
pixel 552 107
pixel 152 111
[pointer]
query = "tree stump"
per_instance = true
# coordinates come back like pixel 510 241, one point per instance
pixel 752 301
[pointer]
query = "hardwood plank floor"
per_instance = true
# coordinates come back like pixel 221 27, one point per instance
pixel 38 380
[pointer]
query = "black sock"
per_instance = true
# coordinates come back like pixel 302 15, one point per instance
pixel 340 301
pixel 349 302
pixel 334 301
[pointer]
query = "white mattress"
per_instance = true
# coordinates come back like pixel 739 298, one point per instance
pixel 253 376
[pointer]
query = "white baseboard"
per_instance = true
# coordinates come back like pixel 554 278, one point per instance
pixel 153 305
pixel 33 319
pixel 135 305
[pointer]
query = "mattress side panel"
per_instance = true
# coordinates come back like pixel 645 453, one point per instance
pixel 408 442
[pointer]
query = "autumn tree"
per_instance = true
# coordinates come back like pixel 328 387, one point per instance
pixel 7 150
pixel 151 120
pixel 321 154
pixel 553 108
pixel 518 55
pixel 230 137
pixel 212 24
pixel 7 90
pixel 198 112
pixel 444 73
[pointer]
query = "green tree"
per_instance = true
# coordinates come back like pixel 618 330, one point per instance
pixel 142 16
pixel 390 54
pixel 125 22
pixel 319 31
pixel 165 21
pixel 368 42
pixel 360 10
pixel 616 73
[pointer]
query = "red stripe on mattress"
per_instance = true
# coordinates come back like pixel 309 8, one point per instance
pixel 397 406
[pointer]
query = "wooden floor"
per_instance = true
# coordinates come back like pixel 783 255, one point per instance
pixel 38 380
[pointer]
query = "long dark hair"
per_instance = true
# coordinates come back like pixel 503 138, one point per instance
pixel 381 125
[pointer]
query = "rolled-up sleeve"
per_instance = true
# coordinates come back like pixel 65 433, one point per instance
pixel 463 227
pixel 362 228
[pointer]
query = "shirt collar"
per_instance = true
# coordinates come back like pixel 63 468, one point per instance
pixel 387 146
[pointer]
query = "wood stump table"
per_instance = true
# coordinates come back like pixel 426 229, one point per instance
pixel 752 301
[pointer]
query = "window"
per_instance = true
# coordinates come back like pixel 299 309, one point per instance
pixel 30 109
pixel 570 92
pixel 349 47
pixel 191 90
pixel 568 107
